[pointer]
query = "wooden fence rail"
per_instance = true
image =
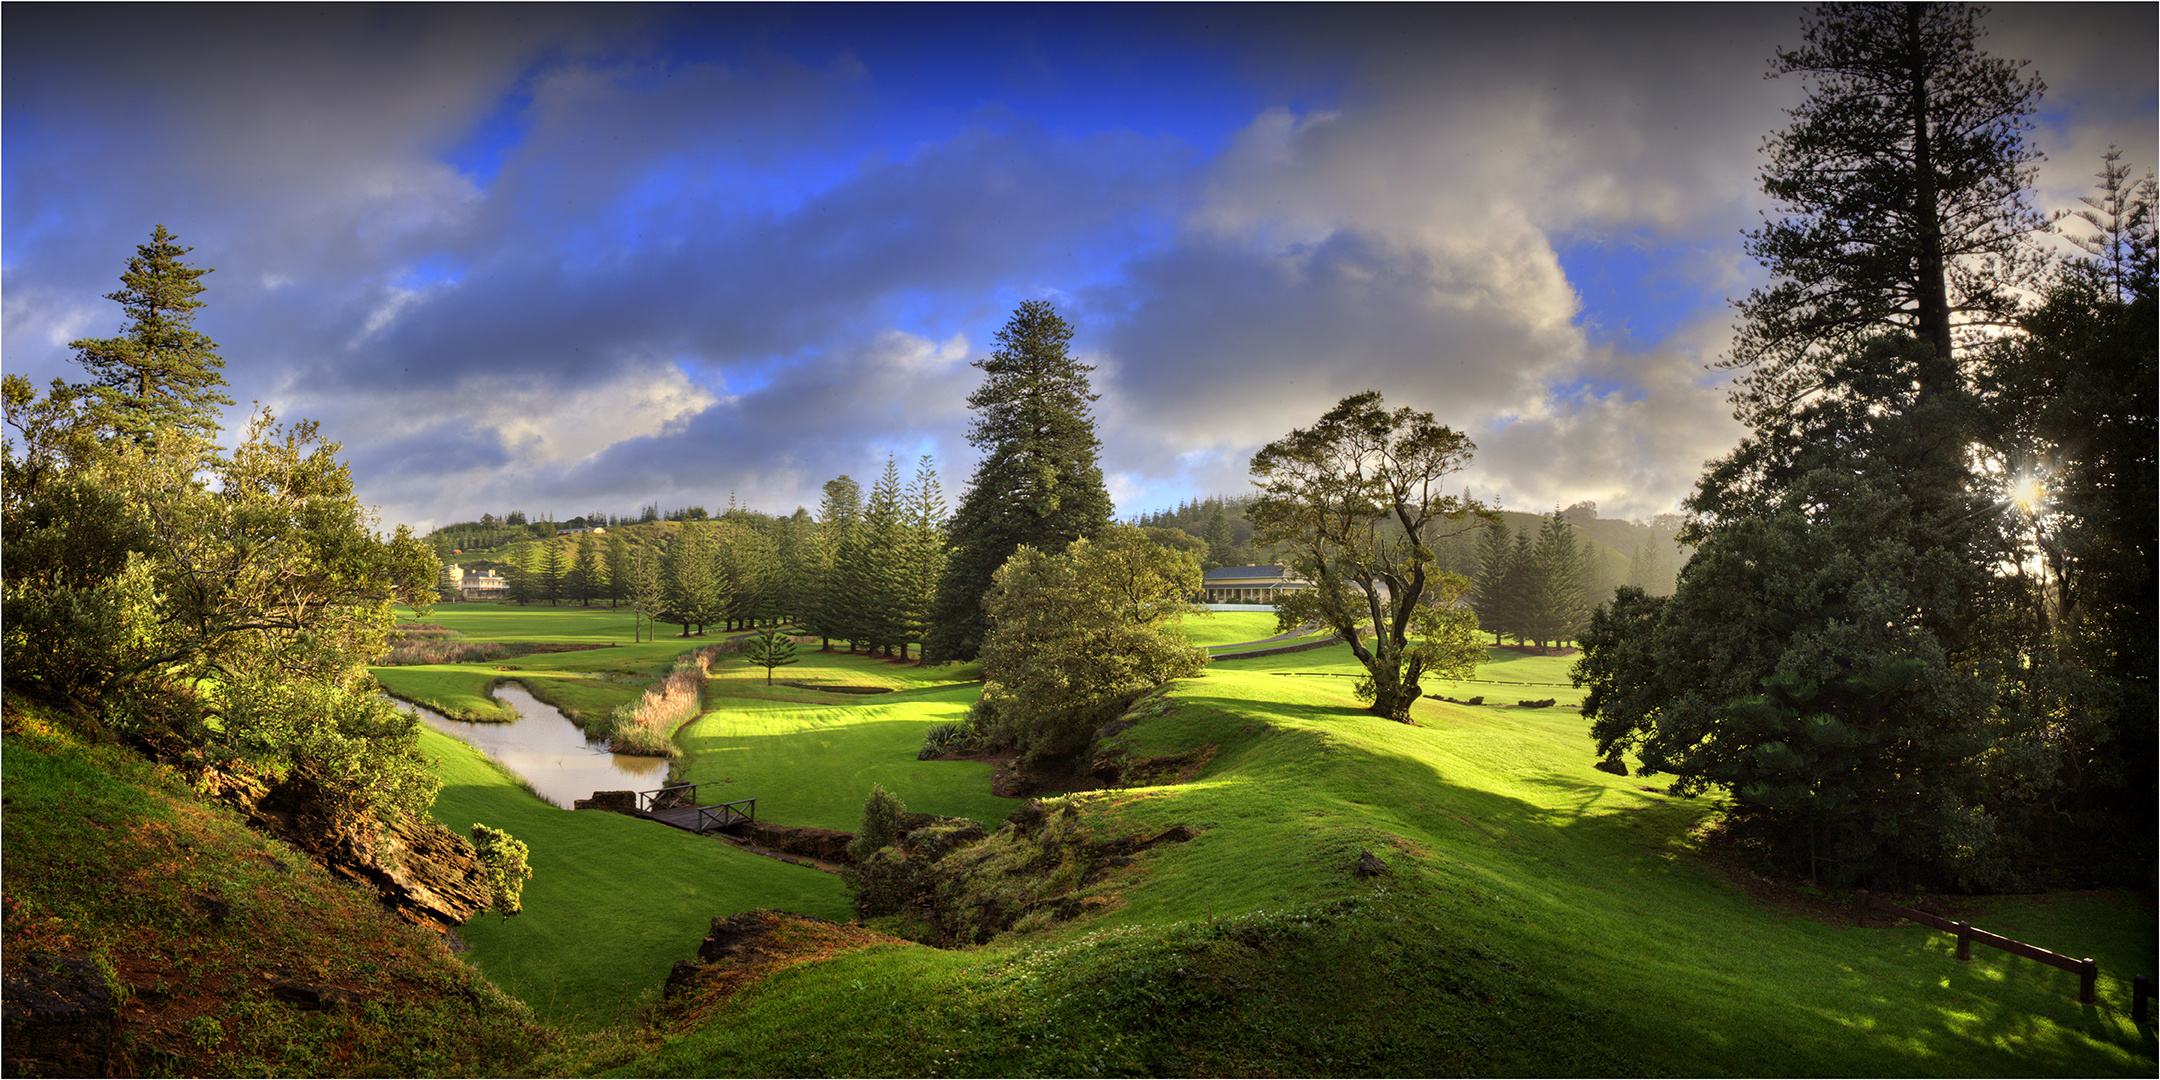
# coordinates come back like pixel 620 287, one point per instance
pixel 2088 969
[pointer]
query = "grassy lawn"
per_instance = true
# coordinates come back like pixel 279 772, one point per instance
pixel 613 901
pixel 809 757
pixel 1228 627
pixel 1526 893
pixel 1504 678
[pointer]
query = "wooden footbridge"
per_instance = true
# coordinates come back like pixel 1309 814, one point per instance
pixel 678 806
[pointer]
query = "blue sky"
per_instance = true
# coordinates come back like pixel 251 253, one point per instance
pixel 564 259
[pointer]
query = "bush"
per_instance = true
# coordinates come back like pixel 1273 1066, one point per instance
pixel 504 856
pixel 443 652
pixel 881 814
pixel 940 738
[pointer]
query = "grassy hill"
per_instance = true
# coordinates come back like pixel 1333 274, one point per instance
pixel 1534 916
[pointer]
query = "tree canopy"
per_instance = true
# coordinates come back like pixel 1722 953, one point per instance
pixel 1904 179
pixel 1076 635
pixel 160 374
pixel 1358 501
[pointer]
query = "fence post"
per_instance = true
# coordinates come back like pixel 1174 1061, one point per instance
pixel 2088 981
pixel 2140 998
pixel 1964 933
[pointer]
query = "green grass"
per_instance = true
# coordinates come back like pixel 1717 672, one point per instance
pixel 1539 917
pixel 1228 627
pixel 809 757
pixel 187 911
pixel 1503 678
pixel 614 901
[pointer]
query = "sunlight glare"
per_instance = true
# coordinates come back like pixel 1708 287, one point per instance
pixel 2028 493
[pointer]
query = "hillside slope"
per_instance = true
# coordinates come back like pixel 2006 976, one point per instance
pixel 156 934
pixel 1533 916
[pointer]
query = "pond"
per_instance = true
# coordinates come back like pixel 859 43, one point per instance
pixel 548 751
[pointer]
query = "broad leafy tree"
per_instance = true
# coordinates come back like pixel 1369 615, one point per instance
pixel 225 605
pixel 1038 482
pixel 160 374
pixel 1903 184
pixel 1358 500
pixel 1077 635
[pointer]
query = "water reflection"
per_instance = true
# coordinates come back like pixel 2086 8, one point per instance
pixel 549 751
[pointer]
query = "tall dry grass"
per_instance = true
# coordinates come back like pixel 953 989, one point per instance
pixel 443 652
pixel 647 725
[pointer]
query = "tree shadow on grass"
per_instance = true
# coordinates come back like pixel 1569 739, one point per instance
pixel 1683 963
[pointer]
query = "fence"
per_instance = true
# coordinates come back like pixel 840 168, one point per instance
pixel 2088 969
pixel 677 805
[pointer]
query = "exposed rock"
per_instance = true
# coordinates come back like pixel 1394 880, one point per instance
pixel 1369 865
pixel 1121 769
pixel 824 845
pixel 621 802
pixel 1614 766
pixel 286 986
pixel 59 1017
pixel 422 872
pixel 741 949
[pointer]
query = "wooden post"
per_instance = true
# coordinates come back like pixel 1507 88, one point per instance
pixel 2089 981
pixel 1964 933
pixel 2140 998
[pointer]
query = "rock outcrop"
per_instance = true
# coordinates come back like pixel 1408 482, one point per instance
pixel 59 1017
pixel 422 872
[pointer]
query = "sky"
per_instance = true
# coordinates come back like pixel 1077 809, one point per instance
pixel 567 259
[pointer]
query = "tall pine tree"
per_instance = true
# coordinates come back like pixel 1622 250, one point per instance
pixel 831 611
pixel 922 561
pixel 161 373
pixel 1038 483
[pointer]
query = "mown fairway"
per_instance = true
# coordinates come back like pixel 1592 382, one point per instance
pixel 1527 894
pixel 809 757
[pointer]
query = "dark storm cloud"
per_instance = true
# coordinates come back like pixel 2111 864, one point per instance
pixel 572 258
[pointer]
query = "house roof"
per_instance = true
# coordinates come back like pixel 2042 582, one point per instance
pixel 1248 573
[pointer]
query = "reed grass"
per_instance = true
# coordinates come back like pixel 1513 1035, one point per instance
pixel 407 653
pixel 647 726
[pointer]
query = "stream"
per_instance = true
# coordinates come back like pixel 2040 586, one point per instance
pixel 544 748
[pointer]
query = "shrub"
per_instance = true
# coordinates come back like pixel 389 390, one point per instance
pixel 504 856
pixel 940 738
pixel 443 652
pixel 881 814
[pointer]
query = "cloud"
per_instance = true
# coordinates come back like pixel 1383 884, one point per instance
pixel 559 258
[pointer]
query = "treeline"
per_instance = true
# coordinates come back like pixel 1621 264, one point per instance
pixel 863 570
pixel 1218 522
pixel 493 532
pixel 1536 579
